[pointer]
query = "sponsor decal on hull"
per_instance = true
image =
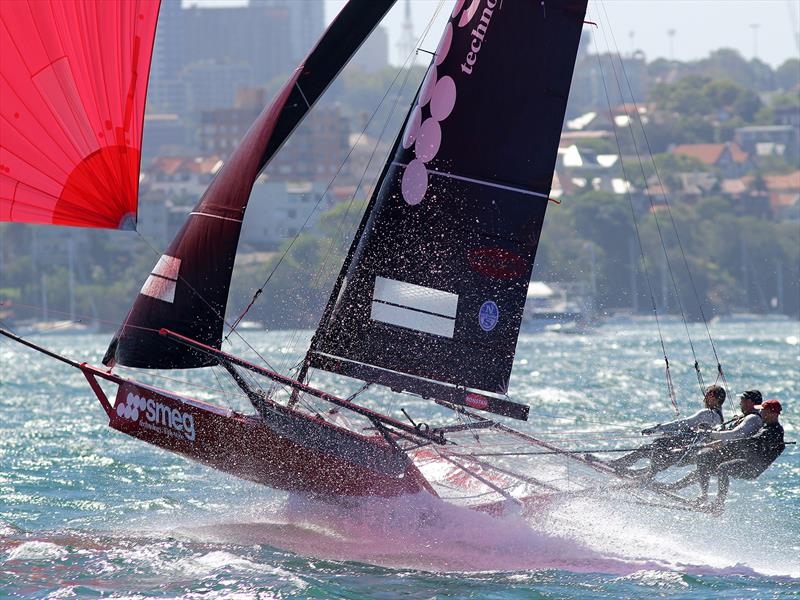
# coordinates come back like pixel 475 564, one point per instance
pixel 476 401
pixel 153 414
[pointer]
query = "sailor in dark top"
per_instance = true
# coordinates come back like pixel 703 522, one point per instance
pixel 754 454
pixel 680 435
pixel 742 458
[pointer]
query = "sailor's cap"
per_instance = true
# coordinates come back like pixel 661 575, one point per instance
pixel 772 405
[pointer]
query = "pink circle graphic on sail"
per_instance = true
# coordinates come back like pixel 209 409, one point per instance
pixel 426 136
pixel 429 139
pixel 412 127
pixel 444 45
pixel 415 182
pixel 467 15
pixel 427 86
pixel 444 98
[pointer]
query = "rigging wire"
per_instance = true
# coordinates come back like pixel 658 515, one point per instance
pixel 720 372
pixel 411 55
pixel 656 220
pixel 668 374
pixel 650 198
pixel 318 276
pixel 303 227
pixel 206 302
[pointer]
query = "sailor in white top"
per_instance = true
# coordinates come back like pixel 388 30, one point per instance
pixel 744 425
pixel 720 449
pixel 682 434
pixel 706 418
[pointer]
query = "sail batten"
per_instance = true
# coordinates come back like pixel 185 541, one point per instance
pixel 455 220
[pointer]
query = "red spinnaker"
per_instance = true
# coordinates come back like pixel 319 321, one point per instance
pixel 73 78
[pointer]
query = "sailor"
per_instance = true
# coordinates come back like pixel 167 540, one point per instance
pixel 742 458
pixel 680 435
pixel 714 453
pixel 744 425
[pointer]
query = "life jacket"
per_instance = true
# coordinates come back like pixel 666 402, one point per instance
pixel 761 449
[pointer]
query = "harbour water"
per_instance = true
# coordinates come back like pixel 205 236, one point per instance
pixel 86 511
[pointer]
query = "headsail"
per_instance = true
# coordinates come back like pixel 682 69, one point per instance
pixel 74 77
pixel 187 290
pixel 434 286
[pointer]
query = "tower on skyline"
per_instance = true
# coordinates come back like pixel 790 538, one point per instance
pixel 407 42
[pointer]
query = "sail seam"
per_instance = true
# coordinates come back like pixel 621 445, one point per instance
pixel 163 277
pixel 480 182
pixel 202 214
pixel 419 310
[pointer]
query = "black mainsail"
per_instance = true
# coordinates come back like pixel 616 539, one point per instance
pixel 187 291
pixel 431 295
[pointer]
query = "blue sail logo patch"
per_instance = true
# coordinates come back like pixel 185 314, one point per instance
pixel 488 315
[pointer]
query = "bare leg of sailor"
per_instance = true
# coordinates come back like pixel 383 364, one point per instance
pixel 707 461
pixel 723 482
pixel 704 476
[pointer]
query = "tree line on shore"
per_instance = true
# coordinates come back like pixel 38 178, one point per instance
pixel 738 261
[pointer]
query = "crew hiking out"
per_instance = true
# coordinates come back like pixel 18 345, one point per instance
pixel 679 437
pixel 741 458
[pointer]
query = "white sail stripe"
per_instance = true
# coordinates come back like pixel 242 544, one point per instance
pixel 159 288
pixel 412 319
pixel 201 214
pixel 481 182
pixel 167 267
pixel 415 297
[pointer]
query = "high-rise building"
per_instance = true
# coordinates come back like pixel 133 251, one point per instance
pixel 259 41
pixel 165 93
pixel 374 53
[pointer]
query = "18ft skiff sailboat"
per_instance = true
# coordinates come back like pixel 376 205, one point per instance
pixel 428 301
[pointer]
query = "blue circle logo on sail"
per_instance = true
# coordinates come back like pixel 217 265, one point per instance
pixel 488 315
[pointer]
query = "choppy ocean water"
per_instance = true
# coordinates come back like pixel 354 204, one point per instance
pixel 86 511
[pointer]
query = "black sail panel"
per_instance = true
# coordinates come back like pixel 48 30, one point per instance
pixel 187 290
pixel 435 285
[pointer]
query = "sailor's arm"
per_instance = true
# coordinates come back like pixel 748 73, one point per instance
pixel 701 417
pixel 746 428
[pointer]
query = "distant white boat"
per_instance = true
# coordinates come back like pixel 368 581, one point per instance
pixel 63 327
pixel 549 307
